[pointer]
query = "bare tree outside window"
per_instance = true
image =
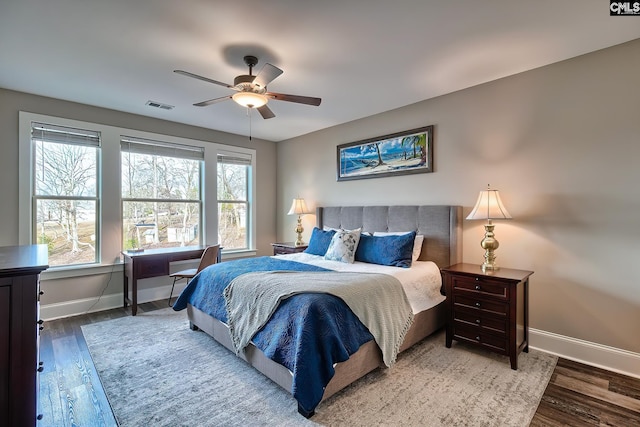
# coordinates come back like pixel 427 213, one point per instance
pixel 161 197
pixel 233 203
pixel 89 191
pixel 65 195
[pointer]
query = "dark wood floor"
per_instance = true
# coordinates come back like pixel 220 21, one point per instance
pixel 71 394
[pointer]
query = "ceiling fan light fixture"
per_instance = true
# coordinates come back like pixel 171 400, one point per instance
pixel 250 99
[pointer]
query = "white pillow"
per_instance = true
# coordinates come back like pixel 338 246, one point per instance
pixel 343 246
pixel 327 228
pixel 417 242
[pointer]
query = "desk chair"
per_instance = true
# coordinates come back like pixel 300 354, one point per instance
pixel 209 256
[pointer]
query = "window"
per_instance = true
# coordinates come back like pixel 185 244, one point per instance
pixel 90 190
pixel 66 193
pixel 233 200
pixel 161 197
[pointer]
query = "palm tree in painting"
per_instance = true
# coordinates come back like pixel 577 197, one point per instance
pixel 422 143
pixel 407 141
pixel 376 146
pixel 412 141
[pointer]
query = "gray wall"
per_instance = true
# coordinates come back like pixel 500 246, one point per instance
pixel 561 143
pixel 87 287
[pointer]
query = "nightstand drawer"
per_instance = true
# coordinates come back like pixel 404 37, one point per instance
pixel 475 334
pixel 475 317
pixel 481 286
pixel 479 303
pixel 287 248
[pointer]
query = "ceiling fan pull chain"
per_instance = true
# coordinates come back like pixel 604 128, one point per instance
pixel 249 114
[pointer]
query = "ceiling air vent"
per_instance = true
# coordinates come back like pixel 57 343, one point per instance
pixel 160 105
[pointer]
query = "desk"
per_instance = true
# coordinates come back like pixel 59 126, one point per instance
pixel 152 263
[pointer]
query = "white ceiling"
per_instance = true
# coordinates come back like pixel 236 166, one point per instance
pixel 361 57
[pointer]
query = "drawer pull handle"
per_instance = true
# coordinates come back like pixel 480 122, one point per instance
pixel 478 321
pixel 477 287
pixel 477 338
pixel 477 304
pixel 477 279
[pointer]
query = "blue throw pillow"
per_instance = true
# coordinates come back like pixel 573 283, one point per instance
pixel 386 250
pixel 319 242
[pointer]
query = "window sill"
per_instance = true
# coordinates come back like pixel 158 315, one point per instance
pixel 54 273
pixel 78 271
pixel 243 253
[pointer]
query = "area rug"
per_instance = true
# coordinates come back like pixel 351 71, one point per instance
pixel 156 371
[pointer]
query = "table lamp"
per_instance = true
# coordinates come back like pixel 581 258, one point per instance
pixel 299 207
pixel 489 207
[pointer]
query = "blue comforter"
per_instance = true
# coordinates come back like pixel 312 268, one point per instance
pixel 308 333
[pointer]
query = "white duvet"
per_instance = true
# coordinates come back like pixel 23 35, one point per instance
pixel 421 282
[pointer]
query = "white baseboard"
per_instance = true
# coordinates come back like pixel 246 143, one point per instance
pixel 105 302
pixel 598 355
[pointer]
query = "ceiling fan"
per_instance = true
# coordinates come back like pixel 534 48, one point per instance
pixel 251 91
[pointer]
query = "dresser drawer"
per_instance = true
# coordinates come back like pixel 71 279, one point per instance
pixel 481 286
pixel 480 304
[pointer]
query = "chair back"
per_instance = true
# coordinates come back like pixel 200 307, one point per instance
pixel 209 256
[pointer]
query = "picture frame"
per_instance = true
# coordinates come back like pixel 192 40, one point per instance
pixel 400 153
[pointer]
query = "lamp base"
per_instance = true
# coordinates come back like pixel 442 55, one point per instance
pixel 489 266
pixel 489 244
pixel 299 231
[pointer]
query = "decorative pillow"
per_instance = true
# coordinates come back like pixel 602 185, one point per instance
pixel 394 250
pixel 417 243
pixel 343 246
pixel 319 241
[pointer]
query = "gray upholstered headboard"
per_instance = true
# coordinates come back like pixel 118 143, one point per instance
pixel 440 225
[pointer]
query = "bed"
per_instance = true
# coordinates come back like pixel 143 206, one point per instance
pixel 441 228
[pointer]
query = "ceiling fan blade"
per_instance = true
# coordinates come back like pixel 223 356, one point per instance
pixel 267 75
pixel 265 112
pixel 294 98
pixel 205 79
pixel 212 101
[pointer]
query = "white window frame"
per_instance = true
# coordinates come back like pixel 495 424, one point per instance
pixel 243 157
pixel 110 198
pixel 35 198
pixel 165 149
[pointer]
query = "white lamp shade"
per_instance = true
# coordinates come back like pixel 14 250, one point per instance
pixel 489 206
pixel 250 99
pixel 298 207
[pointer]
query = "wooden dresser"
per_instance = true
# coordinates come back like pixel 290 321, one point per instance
pixel 20 325
pixel 488 309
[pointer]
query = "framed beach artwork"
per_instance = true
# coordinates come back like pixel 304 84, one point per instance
pixel 399 153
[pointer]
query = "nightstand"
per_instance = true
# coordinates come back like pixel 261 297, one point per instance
pixel 488 309
pixel 287 248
